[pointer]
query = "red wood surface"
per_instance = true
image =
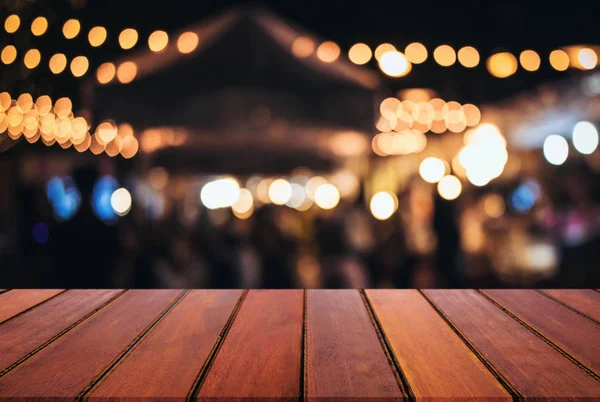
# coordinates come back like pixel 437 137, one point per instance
pixel 261 355
pixel 166 363
pixel 574 334
pixel 26 333
pixel 18 300
pixel 344 356
pixel 585 301
pixel 67 366
pixel 435 361
pixel 531 366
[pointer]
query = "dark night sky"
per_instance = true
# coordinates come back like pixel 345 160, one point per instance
pixel 487 25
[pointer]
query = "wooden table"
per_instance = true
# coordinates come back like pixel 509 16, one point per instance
pixel 295 344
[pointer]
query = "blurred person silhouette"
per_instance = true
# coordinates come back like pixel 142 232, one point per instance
pixel 448 254
pixel 85 249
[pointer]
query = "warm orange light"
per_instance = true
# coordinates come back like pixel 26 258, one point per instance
pixel 416 53
pixel 43 105
pixel 559 60
pixel 502 65
pixel 328 52
pixel 32 58
pixel 444 55
pixel 79 66
pixel 57 63
pixel 472 114
pixel 158 40
pixel 9 54
pixel 529 60
pixel 303 47
pixel 126 72
pixel 12 23
pixel 71 28
pixel 39 26
pixel 382 49
pixel 128 38
pixel 63 107
pixel 106 73
pixel 187 42
pixel 468 56
pixel 360 54
pixel 130 147
pixel 97 36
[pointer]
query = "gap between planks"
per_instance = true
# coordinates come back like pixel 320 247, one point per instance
pixel 562 303
pixel 60 334
pixel 204 370
pixel 503 381
pixel 30 308
pixel 113 365
pixel 540 335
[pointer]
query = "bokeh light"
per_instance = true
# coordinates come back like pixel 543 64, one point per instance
pixel 444 55
pixel 394 64
pixel 432 169
pixel 383 49
pixel 556 149
pixel 468 57
pixel 220 193
pixel 9 54
pixel 502 65
pixel 40 233
pixel 105 73
pixel 79 66
pixel 494 205
pixel 126 72
pixel 39 26
pixel 585 137
pixel 416 53
pixel 120 201
pixel 559 60
pixel 360 54
pixel 97 36
pixel 328 52
pixel 529 60
pixel 32 58
pixel 71 28
pixel 383 205
pixel 187 42
pixel 327 196
pixel 588 59
pixel 280 191
pixel 12 23
pixel 303 47
pixel 57 63
pixel 449 187
pixel 158 41
pixel 244 204
pixel 128 38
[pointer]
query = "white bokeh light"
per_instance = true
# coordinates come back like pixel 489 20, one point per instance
pixel 432 169
pixel 221 193
pixel 585 137
pixel 383 205
pixel 120 201
pixel 449 187
pixel 556 149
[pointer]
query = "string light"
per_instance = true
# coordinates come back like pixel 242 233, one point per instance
pixel 126 72
pixel 328 52
pixel 187 42
pixel 128 38
pixel 383 49
pixel 303 47
pixel 360 54
pixel 394 64
pixel 12 23
pixel 559 60
pixel 32 58
pixel 57 63
pixel 79 66
pixel 468 57
pixel 39 26
pixel 9 54
pixel 105 73
pixel 502 65
pixel 530 60
pixel 71 28
pixel 97 36
pixel 157 41
pixel 444 55
pixel 416 53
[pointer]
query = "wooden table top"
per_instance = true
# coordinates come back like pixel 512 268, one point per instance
pixel 295 344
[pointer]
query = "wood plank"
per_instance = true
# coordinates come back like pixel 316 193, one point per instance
pixel 18 300
pixel 261 355
pixel 344 356
pixel 31 330
pixel 68 366
pixel 585 301
pixel 530 365
pixel 167 362
pixel 574 334
pixel 433 358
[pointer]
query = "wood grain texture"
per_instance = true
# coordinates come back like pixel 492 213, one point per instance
pixel 585 301
pixel 574 334
pixel 531 366
pixel 64 368
pixel 344 356
pixel 261 355
pixel 166 363
pixel 22 335
pixel 18 300
pixel 435 361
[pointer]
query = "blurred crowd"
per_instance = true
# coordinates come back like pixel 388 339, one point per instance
pixel 474 241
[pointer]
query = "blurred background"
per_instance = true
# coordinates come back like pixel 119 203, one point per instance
pixel 223 144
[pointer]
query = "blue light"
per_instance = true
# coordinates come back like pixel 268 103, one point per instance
pixel 101 199
pixel 64 197
pixel 525 196
pixel 40 233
